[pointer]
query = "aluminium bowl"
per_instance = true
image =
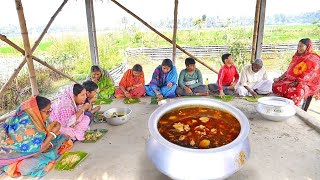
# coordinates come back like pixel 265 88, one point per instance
pixel 113 113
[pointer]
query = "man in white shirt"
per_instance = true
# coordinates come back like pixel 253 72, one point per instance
pixel 254 80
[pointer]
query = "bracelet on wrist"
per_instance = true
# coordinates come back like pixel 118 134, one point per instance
pixel 51 144
pixel 53 134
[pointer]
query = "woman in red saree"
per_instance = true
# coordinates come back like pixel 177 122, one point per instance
pixel 302 78
pixel 132 83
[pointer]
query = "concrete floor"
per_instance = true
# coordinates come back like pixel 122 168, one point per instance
pixel 279 150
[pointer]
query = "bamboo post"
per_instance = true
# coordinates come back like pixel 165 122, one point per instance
pixel 17 70
pixel 4 38
pixel 261 28
pixel 26 44
pixel 174 38
pixel 255 30
pixel 92 32
pixel 163 36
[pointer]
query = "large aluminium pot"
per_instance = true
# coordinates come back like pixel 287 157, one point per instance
pixel 179 162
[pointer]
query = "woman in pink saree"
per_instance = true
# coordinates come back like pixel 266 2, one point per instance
pixel 69 110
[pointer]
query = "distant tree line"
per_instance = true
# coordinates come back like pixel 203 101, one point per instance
pixel 216 21
pixel 203 21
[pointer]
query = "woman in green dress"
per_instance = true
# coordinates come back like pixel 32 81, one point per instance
pixel 104 82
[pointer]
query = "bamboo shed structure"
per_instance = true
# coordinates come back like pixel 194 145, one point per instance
pixel 27 51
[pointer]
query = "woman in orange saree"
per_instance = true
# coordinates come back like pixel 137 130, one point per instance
pixel 302 78
pixel 132 83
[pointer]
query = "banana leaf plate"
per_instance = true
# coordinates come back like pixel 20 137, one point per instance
pixel 99 117
pixel 103 101
pixel 93 136
pixel 70 160
pixel 252 99
pixel 131 100
pixel 226 98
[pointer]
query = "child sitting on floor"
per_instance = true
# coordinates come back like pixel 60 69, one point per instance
pixel 91 88
pixel 227 78
pixel 190 81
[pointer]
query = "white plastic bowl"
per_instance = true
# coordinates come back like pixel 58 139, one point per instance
pixel 275 108
pixel 113 113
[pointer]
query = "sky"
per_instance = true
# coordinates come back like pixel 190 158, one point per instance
pixel 39 12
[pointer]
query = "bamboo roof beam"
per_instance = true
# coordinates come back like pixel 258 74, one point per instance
pixel 5 39
pixel 175 26
pixel 163 36
pixel 17 70
pixel 27 49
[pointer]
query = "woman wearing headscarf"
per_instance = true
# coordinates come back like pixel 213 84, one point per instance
pixel 69 110
pixel 29 142
pixel 164 81
pixel 302 78
pixel 103 80
pixel 131 83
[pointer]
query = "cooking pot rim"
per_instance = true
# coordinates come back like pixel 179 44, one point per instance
pixel 160 111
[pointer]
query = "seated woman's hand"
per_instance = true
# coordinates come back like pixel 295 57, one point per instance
pixel 56 128
pixel 276 79
pixel 294 83
pixel 159 96
pixel 169 85
pixel 127 94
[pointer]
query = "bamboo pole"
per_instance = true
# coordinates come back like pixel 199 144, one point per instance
pixel 45 30
pixel 2 37
pixel 17 70
pixel 163 36
pixel 262 15
pixel 92 33
pixel 174 38
pixel 255 30
pixel 27 49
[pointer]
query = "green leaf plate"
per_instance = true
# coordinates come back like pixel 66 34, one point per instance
pixel 154 100
pixel 70 160
pixel 99 118
pixel 226 98
pixel 103 101
pixel 92 136
pixel 252 99
pixel 131 100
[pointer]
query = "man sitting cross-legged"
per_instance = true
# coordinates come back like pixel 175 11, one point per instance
pixel 253 80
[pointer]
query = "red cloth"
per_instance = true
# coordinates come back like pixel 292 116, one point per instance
pixel 227 75
pixel 304 69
